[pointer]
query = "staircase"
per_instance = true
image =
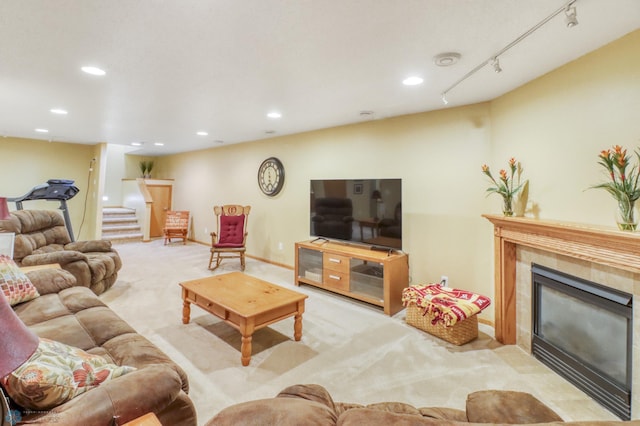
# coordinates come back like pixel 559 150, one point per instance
pixel 120 224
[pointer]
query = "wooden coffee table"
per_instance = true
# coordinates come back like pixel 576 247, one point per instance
pixel 244 302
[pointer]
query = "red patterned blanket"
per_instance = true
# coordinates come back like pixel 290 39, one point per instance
pixel 446 305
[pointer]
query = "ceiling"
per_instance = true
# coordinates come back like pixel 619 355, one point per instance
pixel 177 67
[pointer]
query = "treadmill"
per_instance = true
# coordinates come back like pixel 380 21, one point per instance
pixel 54 190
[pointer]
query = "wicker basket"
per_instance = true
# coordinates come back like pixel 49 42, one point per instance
pixel 459 334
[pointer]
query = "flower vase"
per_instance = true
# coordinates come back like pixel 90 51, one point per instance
pixel 625 216
pixel 507 205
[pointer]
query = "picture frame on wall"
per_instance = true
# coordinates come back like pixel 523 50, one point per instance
pixel 6 243
pixel 357 188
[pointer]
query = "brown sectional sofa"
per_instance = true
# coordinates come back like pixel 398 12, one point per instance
pixel 42 238
pixel 313 405
pixel 74 315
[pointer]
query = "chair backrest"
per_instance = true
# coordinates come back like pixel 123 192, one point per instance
pixel 177 219
pixel 232 224
pixel 334 208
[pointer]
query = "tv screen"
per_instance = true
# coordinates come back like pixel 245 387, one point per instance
pixel 364 211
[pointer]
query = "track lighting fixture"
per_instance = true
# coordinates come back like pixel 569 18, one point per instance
pixel 571 16
pixel 571 21
pixel 495 63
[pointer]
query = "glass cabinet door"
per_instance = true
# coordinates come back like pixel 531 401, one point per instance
pixel 310 264
pixel 367 278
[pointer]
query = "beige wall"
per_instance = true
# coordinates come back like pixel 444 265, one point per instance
pixel 26 163
pixel 558 124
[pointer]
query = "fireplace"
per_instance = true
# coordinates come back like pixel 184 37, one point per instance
pixel 597 254
pixel 583 331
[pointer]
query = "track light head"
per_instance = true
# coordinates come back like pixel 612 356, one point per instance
pixel 444 98
pixel 495 63
pixel 571 16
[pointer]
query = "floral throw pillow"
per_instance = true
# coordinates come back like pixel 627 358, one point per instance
pixel 14 283
pixel 57 373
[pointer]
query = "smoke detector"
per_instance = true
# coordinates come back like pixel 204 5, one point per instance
pixel 446 59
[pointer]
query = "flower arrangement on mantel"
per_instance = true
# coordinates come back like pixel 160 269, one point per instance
pixel 622 184
pixel 506 185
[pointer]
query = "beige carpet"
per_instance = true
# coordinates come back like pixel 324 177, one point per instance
pixel 353 349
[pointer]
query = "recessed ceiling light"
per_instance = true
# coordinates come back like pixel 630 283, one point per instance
pixel 59 111
pixel 158 144
pixel 274 114
pixel 94 70
pixel 412 81
pixel 201 133
pixel 42 130
pixel 136 143
pixel 446 59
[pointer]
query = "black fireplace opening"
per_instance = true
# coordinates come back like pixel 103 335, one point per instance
pixel 583 331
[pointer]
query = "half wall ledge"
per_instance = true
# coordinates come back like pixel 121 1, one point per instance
pixel 597 244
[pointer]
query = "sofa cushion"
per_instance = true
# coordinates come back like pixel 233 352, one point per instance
pixel 498 406
pixel 51 280
pixel 275 411
pixel 444 413
pixel 372 417
pixel 35 229
pixel 15 284
pixel 310 392
pixel 57 373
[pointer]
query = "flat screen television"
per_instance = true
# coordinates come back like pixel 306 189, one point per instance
pixel 363 211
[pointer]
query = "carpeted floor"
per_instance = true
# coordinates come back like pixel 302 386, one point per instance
pixel 352 349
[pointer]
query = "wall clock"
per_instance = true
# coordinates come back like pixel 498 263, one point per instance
pixel 271 176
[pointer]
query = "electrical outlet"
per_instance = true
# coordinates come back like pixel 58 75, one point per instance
pixel 444 280
pixel 280 246
pixel 206 230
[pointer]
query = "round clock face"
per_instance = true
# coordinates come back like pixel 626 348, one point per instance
pixel 271 176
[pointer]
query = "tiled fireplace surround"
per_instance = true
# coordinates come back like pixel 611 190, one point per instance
pixel 599 254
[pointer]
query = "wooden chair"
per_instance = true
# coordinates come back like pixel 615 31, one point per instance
pixel 176 225
pixel 230 239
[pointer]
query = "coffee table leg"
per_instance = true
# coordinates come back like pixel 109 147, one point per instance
pixel 297 322
pixel 297 327
pixel 246 330
pixel 186 312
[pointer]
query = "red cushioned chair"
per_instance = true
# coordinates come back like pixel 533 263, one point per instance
pixel 230 240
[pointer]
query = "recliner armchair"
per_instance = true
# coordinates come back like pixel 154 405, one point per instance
pixel 41 238
pixel 333 218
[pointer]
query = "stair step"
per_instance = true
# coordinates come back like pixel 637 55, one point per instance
pixel 121 228
pixel 118 220
pixel 117 211
pixel 123 237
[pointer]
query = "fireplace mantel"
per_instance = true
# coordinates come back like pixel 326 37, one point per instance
pixel 601 245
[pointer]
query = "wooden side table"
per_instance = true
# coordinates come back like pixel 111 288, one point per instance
pixel 370 223
pixel 148 419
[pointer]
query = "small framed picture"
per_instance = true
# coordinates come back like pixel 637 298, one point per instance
pixel 357 188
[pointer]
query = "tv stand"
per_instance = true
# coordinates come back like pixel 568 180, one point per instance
pixel 362 273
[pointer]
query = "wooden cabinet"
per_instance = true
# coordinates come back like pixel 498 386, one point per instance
pixel 376 277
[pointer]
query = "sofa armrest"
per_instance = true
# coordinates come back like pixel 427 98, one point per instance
pixel 62 258
pixel 89 246
pixel 117 401
pixel 50 280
